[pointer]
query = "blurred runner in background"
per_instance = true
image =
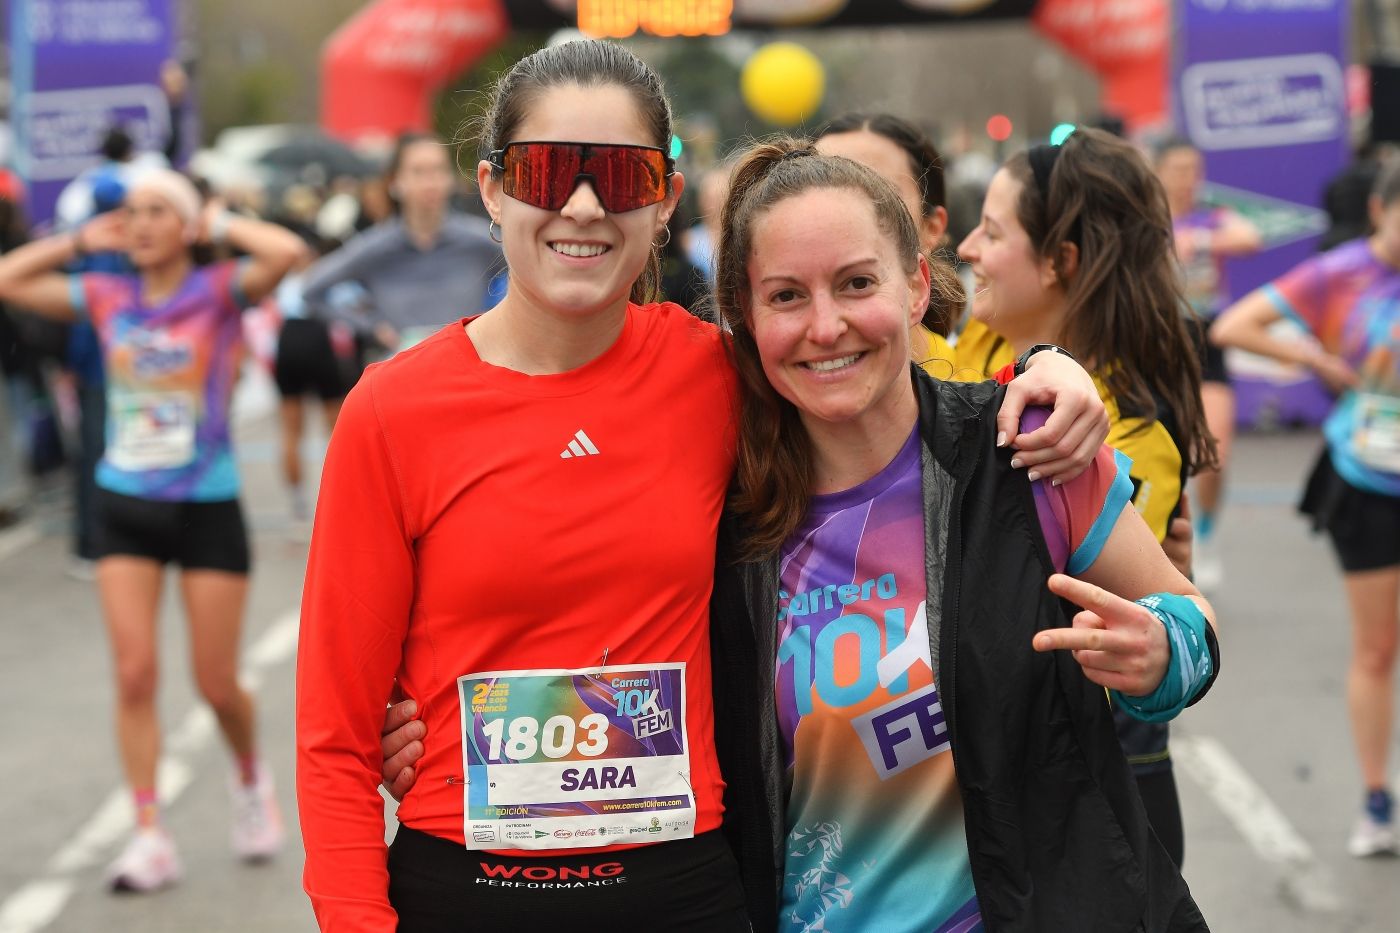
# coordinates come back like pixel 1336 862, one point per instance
pixel 1349 299
pixel 1205 237
pixel 168 484
pixel 424 266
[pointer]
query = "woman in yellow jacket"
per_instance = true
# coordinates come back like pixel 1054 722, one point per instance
pixel 1075 248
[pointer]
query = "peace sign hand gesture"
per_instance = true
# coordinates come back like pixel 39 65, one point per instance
pixel 1119 644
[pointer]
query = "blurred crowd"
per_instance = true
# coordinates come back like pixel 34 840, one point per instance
pixel 347 304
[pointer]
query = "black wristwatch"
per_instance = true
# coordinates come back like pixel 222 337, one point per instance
pixel 1025 358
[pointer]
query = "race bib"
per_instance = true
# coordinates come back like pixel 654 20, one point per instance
pixel 561 759
pixel 1376 440
pixel 151 430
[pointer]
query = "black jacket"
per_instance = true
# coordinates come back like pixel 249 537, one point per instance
pixel 1056 832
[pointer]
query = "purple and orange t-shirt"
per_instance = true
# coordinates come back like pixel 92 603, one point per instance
pixel 875 836
pixel 171 367
pixel 1349 299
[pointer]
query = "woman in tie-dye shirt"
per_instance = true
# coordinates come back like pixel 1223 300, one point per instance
pixel 1349 299
pixel 845 482
pixel 168 485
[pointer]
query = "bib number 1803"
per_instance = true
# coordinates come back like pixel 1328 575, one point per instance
pixel 559 736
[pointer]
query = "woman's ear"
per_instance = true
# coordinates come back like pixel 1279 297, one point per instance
pixel 920 284
pixel 673 198
pixel 934 227
pixel 1069 260
pixel 1058 269
pixel 490 190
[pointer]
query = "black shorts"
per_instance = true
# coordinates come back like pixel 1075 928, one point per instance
pixel 1212 357
pixel 194 535
pixel 1364 526
pixel 306 361
pixel 685 886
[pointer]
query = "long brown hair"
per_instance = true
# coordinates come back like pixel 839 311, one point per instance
pixel 775 452
pixel 946 295
pixel 585 63
pixel 1125 308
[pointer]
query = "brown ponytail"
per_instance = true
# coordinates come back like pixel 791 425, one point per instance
pixel 1125 306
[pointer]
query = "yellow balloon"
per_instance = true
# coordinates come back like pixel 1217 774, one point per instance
pixel 783 83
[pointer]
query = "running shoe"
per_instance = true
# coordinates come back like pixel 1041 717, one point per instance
pixel 257 823
pixel 1374 833
pixel 1207 564
pixel 148 863
pixel 300 510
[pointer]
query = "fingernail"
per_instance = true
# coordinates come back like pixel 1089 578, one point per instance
pixel 1056 481
pixel 416 729
pixel 1033 475
pixel 1001 438
pixel 1017 463
pixel 410 707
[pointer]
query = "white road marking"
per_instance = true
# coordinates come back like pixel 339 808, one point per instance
pixel 38 903
pixel 13 540
pixel 34 906
pixel 1306 881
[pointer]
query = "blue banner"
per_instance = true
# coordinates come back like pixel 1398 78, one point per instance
pixel 1259 86
pixel 78 68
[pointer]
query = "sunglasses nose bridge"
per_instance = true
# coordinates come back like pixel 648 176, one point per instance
pixel 577 182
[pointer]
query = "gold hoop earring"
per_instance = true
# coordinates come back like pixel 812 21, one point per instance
pixel 664 243
pixel 494 232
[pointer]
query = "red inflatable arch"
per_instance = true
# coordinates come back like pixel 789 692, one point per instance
pixel 380 70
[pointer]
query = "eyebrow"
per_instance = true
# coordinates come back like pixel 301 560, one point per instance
pixel 846 268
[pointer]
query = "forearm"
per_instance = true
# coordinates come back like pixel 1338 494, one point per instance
pixel 30 279
pixel 1245 326
pixel 21 266
pixel 1265 344
pixel 355 608
pixel 342 265
pixel 273 251
pixel 1230 243
pixel 265 242
pixel 1237 237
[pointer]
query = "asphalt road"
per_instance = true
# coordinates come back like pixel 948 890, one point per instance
pixel 1265 768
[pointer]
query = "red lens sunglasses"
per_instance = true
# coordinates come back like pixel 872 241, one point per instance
pixel 545 174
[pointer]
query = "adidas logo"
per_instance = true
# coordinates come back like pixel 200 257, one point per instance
pixel 580 446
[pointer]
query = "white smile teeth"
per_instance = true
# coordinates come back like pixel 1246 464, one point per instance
pixel 826 366
pixel 580 250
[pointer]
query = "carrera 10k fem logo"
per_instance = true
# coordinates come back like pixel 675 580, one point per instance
pixel 849 659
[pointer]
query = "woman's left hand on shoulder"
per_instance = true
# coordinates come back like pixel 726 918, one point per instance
pixel 1119 644
pixel 1066 444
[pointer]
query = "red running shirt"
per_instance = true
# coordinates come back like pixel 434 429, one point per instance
pixel 454 537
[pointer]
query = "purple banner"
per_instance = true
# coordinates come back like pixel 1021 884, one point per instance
pixel 1260 87
pixel 78 68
